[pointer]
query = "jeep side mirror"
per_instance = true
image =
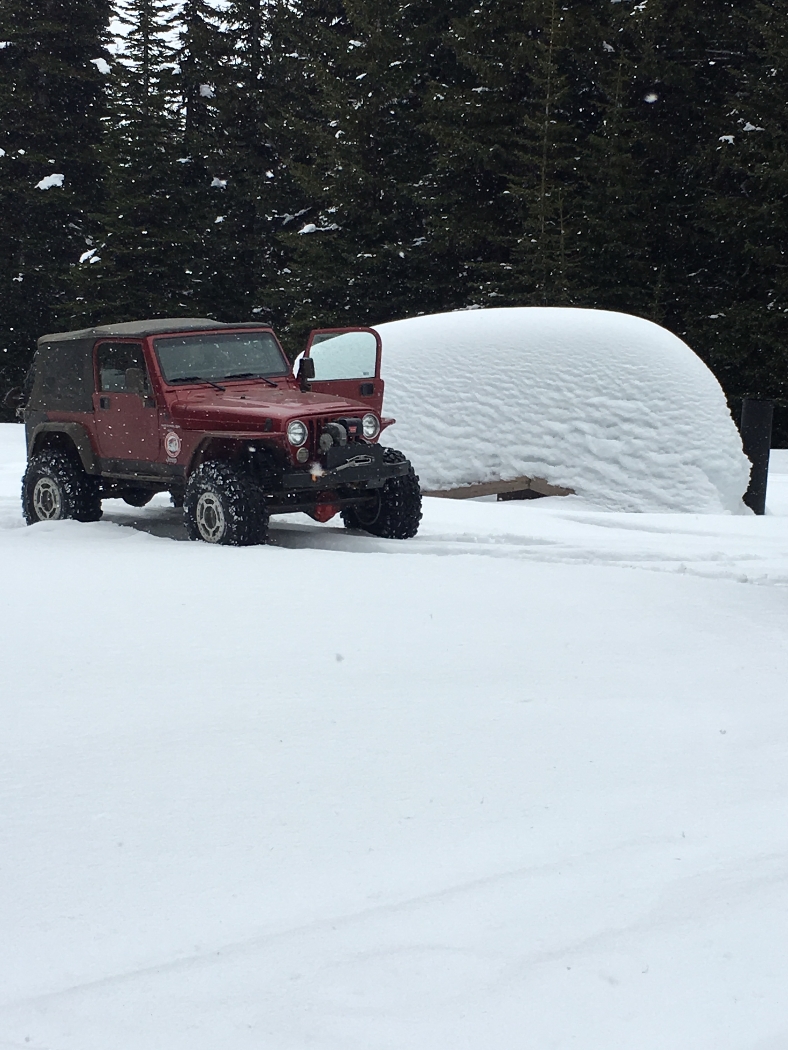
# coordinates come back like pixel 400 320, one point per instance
pixel 14 398
pixel 306 371
pixel 135 382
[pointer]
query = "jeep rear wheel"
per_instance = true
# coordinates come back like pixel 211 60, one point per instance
pixel 222 505
pixel 392 512
pixel 55 486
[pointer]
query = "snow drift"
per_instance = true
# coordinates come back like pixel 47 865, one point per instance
pixel 612 406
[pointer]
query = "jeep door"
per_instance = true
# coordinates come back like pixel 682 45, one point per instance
pixel 347 364
pixel 127 430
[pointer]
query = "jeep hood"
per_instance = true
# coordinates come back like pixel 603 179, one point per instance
pixel 247 407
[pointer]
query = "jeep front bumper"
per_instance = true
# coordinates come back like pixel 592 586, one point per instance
pixel 354 464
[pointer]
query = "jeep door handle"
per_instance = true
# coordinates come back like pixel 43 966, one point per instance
pixel 103 402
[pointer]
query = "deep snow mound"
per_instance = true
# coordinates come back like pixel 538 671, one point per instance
pixel 610 405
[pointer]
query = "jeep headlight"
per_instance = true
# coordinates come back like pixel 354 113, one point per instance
pixel 370 424
pixel 297 432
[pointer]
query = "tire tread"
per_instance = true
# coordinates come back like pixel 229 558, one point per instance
pixel 400 505
pixel 242 502
pixel 80 492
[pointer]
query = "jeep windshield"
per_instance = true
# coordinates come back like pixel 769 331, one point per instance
pixel 202 358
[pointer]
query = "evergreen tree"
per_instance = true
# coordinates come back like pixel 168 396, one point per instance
pixel 251 185
pixel 143 266
pixel 332 161
pixel 201 51
pixel 512 132
pixel 623 199
pixel 462 179
pixel 201 59
pixel 665 85
pixel 442 153
pixel 740 320
pixel 51 108
pixel 358 146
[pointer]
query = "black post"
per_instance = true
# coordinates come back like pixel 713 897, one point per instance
pixel 756 437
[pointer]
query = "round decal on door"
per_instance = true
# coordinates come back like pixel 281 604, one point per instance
pixel 172 443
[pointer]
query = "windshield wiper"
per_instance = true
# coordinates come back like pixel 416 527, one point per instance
pixel 251 375
pixel 198 379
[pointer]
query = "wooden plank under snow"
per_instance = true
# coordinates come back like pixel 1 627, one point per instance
pixel 492 488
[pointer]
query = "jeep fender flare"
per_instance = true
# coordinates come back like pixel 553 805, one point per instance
pixel 226 447
pixel 77 435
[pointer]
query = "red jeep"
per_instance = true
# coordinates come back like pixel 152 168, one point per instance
pixel 213 414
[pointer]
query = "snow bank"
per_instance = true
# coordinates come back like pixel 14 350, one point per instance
pixel 610 405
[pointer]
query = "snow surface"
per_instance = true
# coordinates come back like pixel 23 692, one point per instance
pixel 610 405
pixel 518 783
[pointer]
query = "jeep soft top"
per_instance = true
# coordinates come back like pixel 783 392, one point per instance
pixel 213 413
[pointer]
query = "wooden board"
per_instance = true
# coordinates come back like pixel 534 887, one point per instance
pixel 492 488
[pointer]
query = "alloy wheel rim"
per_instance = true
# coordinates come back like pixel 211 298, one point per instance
pixel 47 501
pixel 210 517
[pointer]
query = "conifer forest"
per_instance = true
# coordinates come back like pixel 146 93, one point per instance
pixel 318 162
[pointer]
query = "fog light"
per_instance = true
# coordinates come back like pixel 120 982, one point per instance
pixel 302 455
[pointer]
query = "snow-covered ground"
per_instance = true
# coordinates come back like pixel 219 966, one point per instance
pixel 519 783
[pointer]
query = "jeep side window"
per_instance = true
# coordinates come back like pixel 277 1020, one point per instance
pixel 113 360
pixel 344 355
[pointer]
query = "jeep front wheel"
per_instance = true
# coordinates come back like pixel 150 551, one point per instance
pixel 392 512
pixel 55 486
pixel 222 506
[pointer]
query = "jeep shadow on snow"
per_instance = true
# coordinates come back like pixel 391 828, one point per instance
pixel 212 414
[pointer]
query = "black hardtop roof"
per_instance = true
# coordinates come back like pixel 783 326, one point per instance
pixel 155 326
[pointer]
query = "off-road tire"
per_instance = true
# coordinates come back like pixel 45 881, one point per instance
pixel 395 511
pixel 56 486
pixel 222 505
pixel 137 497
